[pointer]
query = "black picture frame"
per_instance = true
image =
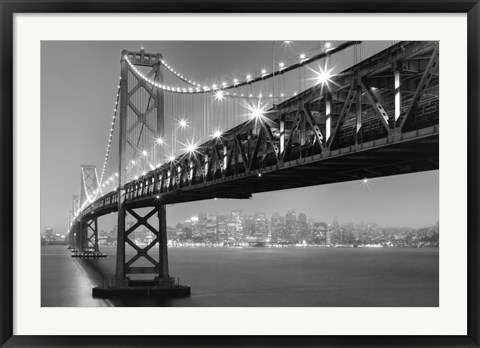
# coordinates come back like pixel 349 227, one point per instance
pixel 10 7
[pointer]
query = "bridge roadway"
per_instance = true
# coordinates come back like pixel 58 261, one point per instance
pixel 290 147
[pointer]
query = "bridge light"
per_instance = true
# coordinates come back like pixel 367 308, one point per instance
pixel 135 177
pixel 133 162
pixel 264 72
pixel 219 95
pixel 214 86
pixel 171 158
pixel 159 141
pixel 217 134
pixel 281 65
pixel 323 76
pixel 235 81
pixel 144 153
pixel 144 173
pixel 249 77
pixel 183 123
pixel 257 112
pixel 302 56
pixel 191 148
pixel 224 84
pixel 327 46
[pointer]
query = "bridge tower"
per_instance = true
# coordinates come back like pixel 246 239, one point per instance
pixel 141 121
pixel 87 227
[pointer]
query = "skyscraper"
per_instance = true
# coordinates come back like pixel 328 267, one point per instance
pixel 290 220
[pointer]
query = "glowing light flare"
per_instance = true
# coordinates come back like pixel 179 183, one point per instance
pixel 323 75
pixel 217 134
pixel 256 111
pixel 191 147
pixel 366 184
pixel 144 153
pixel 327 46
pixel 219 95
pixel 183 123
pixel 160 141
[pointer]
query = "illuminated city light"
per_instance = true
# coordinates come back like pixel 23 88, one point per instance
pixel 160 141
pixel 183 123
pixel 171 158
pixel 133 162
pixel 144 153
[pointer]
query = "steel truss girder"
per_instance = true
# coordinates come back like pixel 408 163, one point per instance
pixel 350 100
pixel 309 117
pixel 379 110
pixel 422 86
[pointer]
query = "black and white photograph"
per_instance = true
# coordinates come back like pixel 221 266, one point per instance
pixel 239 173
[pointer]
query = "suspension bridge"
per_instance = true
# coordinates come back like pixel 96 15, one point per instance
pixel 182 141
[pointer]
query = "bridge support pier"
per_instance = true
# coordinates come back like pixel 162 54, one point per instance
pixel 144 274
pixel 86 235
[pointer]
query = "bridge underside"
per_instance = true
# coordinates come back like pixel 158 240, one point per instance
pixel 375 159
pixel 400 158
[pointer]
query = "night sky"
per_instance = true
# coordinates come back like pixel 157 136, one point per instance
pixel 78 89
